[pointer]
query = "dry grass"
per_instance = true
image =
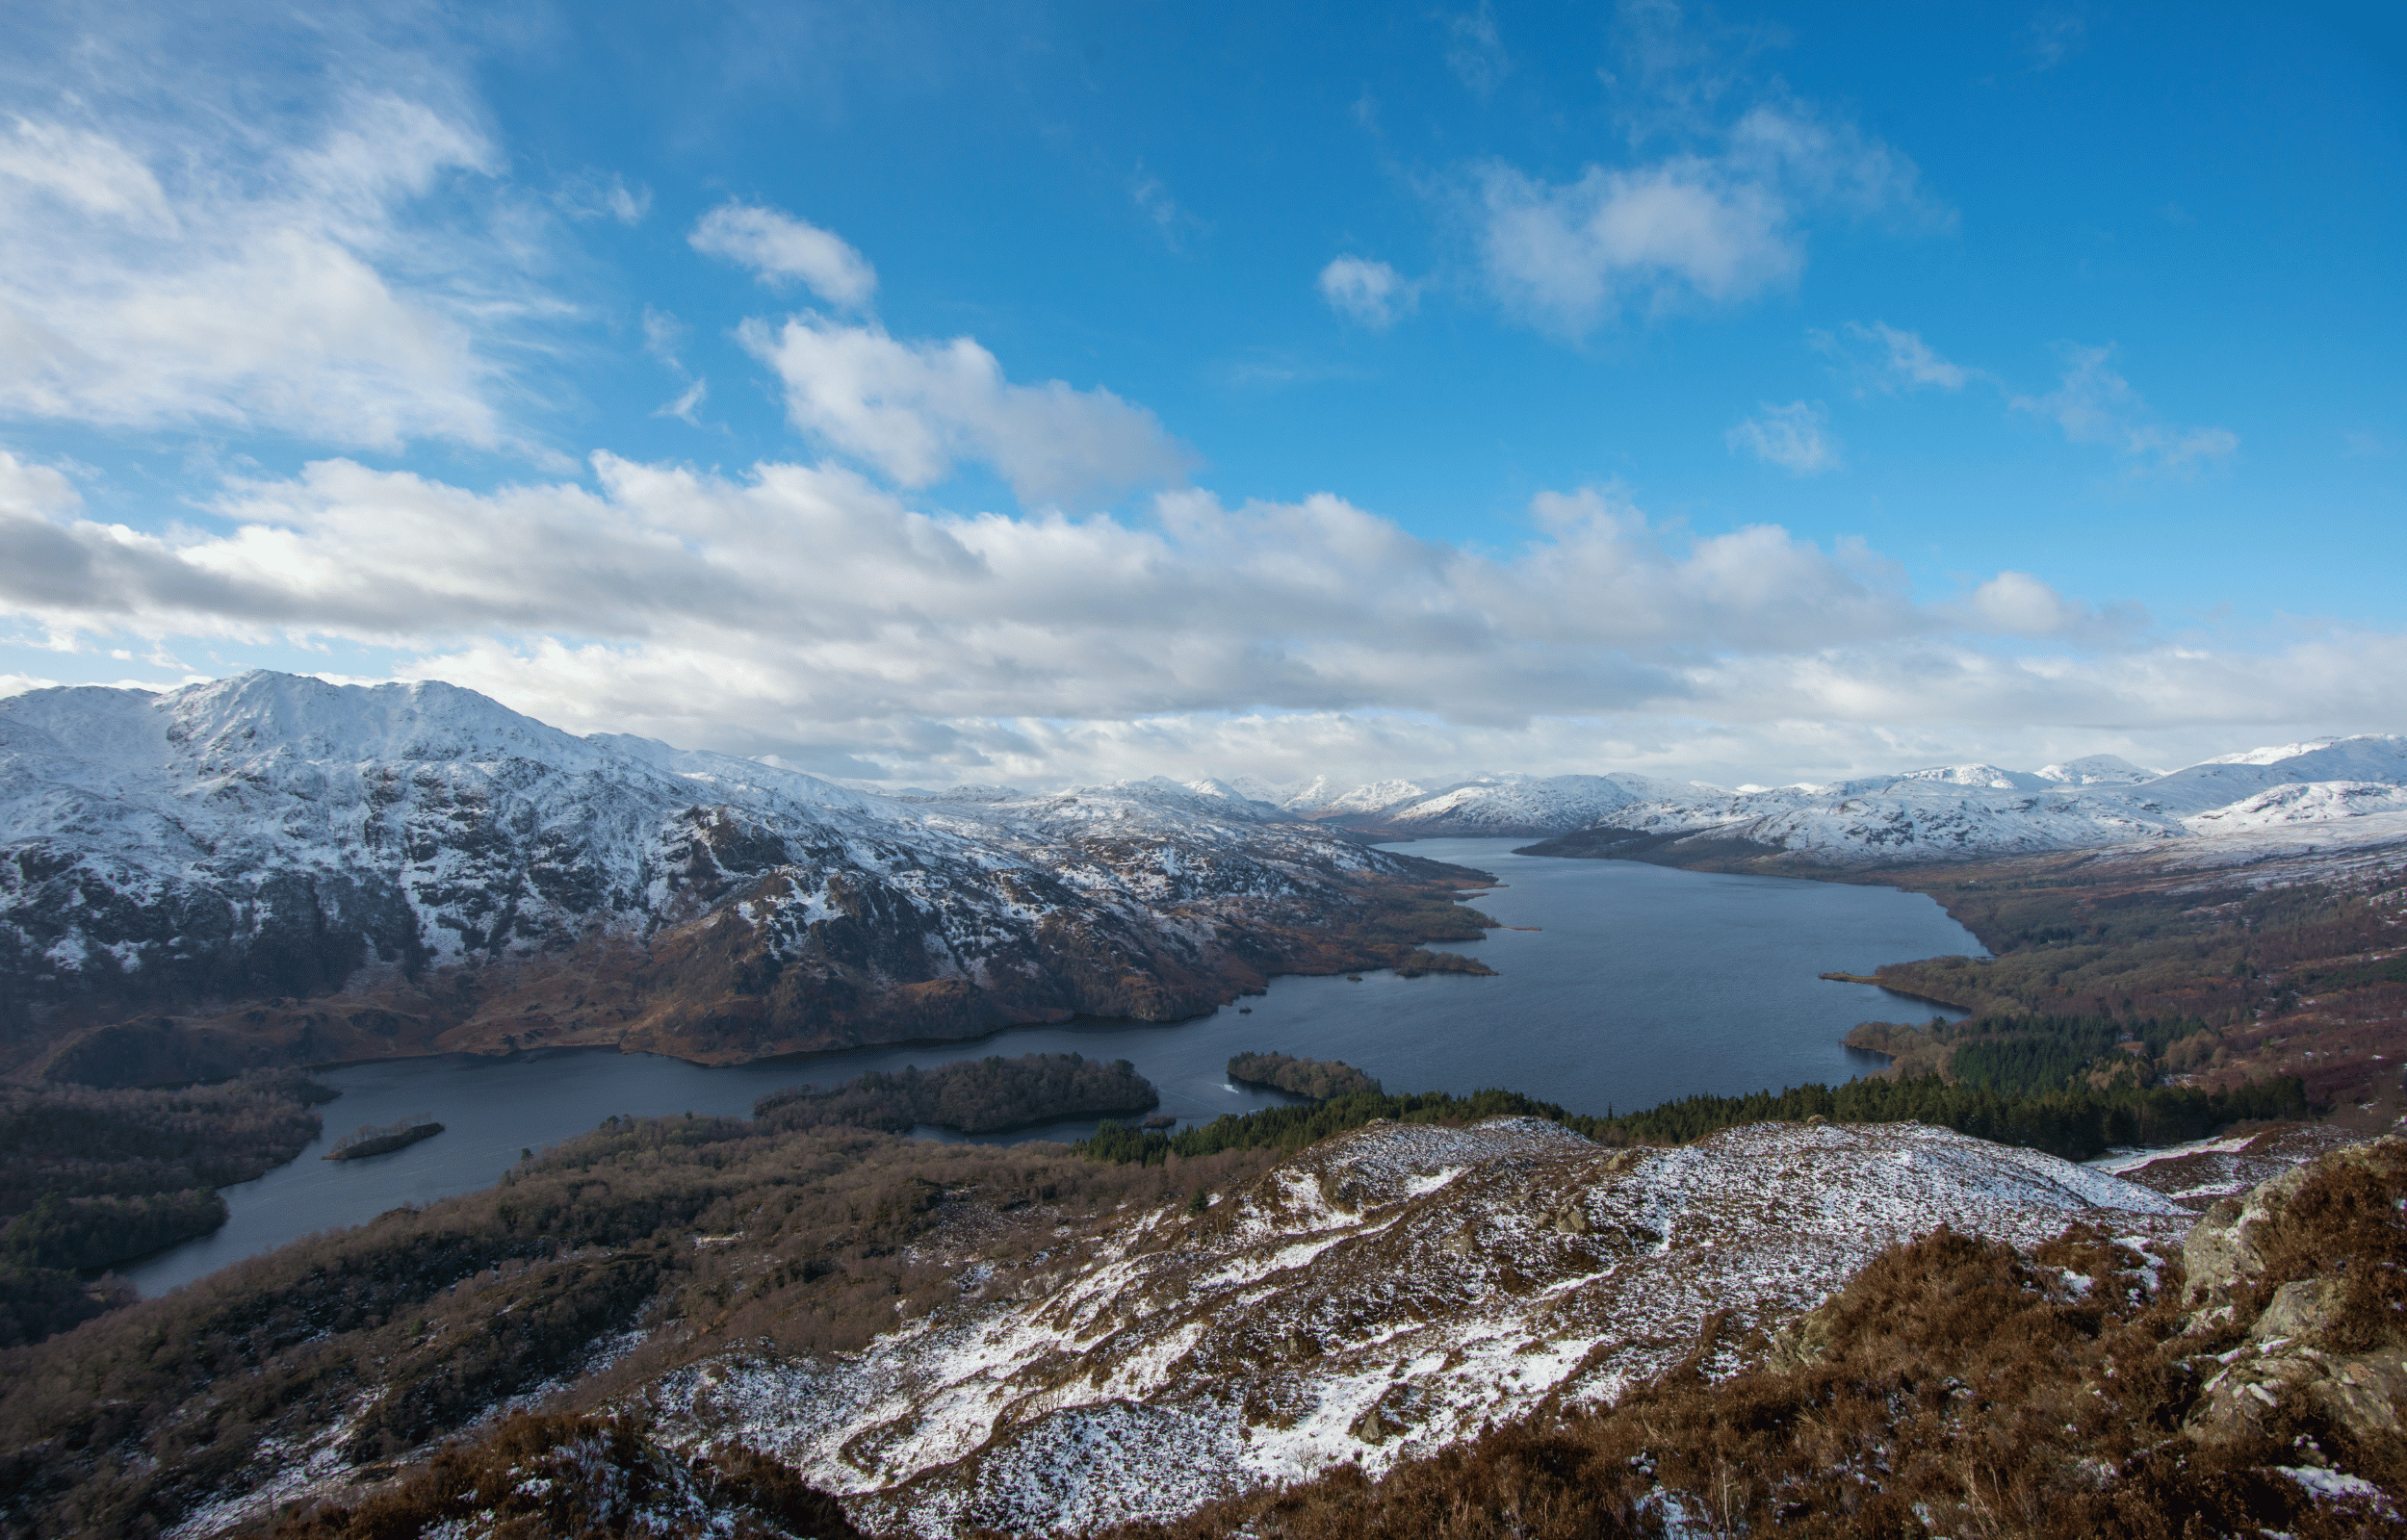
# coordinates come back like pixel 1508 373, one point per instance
pixel 1958 1390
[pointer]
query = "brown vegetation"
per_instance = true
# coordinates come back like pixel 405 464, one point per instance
pixel 542 1478
pixel 1953 1388
pixel 720 990
pixel 411 1326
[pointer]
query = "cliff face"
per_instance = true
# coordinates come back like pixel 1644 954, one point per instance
pixel 271 868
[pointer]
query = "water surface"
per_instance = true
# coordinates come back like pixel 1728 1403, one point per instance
pixel 1639 984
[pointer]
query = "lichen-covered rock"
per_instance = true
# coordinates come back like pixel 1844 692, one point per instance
pixel 2302 1353
pixel 2360 1393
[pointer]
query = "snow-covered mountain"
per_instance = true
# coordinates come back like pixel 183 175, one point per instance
pixel 2344 789
pixel 1939 813
pixel 1503 805
pixel 277 838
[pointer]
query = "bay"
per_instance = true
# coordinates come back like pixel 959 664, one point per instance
pixel 1638 984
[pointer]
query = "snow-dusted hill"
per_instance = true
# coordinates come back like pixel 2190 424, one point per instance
pixel 1383 1294
pixel 275 836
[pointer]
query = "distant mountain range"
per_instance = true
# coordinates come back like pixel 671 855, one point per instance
pixel 2338 790
pixel 275 869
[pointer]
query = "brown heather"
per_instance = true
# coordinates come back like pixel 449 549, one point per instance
pixel 1958 1390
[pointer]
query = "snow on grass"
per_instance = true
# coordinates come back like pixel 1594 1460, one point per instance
pixel 1384 1294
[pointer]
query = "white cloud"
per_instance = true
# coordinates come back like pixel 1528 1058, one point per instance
pixel 592 196
pixel 205 272
pixel 1792 437
pixel 803 609
pixel 1716 220
pixel 2093 404
pixel 2018 601
pixel 1368 291
pixel 915 409
pixel 781 250
pixel 1570 255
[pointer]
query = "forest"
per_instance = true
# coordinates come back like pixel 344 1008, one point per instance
pixel 90 1177
pixel 2077 1122
pixel 988 1095
pixel 1318 1078
pixel 414 1324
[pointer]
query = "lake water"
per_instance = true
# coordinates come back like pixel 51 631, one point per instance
pixel 1642 984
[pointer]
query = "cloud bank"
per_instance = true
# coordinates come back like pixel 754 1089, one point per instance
pixel 805 611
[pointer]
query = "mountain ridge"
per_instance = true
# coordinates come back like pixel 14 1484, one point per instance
pixel 232 855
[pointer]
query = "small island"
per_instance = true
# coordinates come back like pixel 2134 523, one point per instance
pixel 366 1140
pixel 988 1095
pixel 1318 1078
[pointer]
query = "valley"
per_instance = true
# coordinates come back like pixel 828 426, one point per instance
pixel 1310 1292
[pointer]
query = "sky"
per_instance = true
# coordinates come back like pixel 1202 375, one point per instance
pixel 1039 393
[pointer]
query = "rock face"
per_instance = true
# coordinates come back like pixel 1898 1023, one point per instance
pixel 1382 1294
pixel 2302 1349
pixel 415 868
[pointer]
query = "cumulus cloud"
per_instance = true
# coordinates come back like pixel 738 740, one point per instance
pixel 914 409
pixel 1371 293
pixel 1792 437
pixel 2094 404
pixel 1714 218
pixel 781 250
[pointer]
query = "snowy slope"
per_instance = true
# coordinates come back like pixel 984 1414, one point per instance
pixel 1380 1296
pixel 276 836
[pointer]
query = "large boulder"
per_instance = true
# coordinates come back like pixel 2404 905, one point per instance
pixel 2307 1348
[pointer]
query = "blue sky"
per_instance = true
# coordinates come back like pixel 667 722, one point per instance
pixel 1035 391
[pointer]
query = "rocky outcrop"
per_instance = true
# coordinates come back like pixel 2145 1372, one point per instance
pixel 2331 1346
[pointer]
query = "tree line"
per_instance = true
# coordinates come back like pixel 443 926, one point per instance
pixel 2078 1123
pixel 972 1097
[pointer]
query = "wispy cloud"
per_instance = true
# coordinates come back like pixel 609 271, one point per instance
pixel 2056 34
pixel 781 250
pixel 1794 437
pixel 1475 52
pixel 204 274
pixel 1170 222
pixel 2094 404
pixel 687 402
pixel 592 196
pixel 1883 359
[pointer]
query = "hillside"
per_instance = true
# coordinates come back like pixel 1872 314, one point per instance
pixel 942 1335
pixel 270 869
